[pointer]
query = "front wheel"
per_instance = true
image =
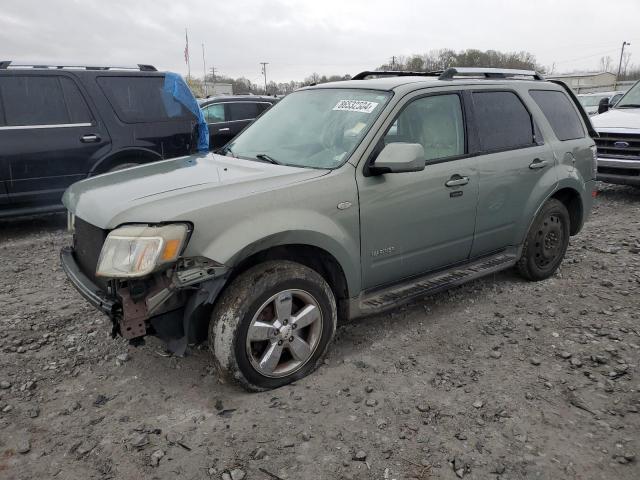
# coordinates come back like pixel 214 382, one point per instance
pixel 546 242
pixel 272 325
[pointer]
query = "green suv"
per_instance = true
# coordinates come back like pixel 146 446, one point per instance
pixel 343 200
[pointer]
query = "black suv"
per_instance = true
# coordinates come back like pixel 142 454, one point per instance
pixel 60 124
pixel 228 115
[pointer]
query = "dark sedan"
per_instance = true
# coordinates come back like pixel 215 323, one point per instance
pixel 228 115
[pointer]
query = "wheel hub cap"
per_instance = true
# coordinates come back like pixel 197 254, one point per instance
pixel 284 333
pixel 549 241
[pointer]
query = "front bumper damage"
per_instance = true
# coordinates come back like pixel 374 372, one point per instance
pixel 173 305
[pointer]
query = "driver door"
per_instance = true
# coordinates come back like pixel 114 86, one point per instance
pixel 416 222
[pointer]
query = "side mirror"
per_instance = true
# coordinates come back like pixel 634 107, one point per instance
pixel 398 158
pixel 603 105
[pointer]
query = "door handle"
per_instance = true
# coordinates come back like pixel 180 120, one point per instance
pixel 90 138
pixel 537 163
pixel 223 130
pixel 457 181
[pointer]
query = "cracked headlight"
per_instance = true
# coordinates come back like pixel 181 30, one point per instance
pixel 137 250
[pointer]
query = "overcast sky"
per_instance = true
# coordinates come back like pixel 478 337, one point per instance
pixel 298 37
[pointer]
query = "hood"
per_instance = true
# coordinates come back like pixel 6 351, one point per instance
pixel 628 118
pixel 168 190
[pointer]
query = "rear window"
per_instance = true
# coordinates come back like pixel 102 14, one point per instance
pixel 29 100
pixel 503 121
pixel 560 112
pixel 243 110
pixel 139 99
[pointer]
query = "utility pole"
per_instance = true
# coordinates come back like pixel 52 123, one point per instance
pixel 213 79
pixel 620 64
pixel 204 68
pixel 264 72
pixel 393 62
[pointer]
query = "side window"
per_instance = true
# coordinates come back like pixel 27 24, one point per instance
pixel 435 122
pixel 263 107
pixel 138 99
pixel 78 110
pixel 560 112
pixel 243 111
pixel 33 100
pixel 214 113
pixel 503 121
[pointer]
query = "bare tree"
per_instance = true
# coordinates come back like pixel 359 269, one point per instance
pixel 626 58
pixel 605 63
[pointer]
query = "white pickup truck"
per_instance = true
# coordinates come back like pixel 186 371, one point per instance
pixel 619 140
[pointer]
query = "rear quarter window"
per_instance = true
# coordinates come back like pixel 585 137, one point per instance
pixel 560 113
pixel 139 99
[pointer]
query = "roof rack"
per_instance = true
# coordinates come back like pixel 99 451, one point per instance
pixel 393 73
pixel 499 73
pixel 6 64
pixel 451 73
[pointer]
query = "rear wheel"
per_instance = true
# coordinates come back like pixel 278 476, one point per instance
pixel 272 325
pixel 546 242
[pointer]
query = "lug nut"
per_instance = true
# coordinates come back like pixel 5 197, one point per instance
pixel 275 333
pixel 293 326
pixel 285 321
pixel 279 342
pixel 290 339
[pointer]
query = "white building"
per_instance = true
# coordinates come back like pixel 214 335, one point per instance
pixel 587 82
pixel 218 88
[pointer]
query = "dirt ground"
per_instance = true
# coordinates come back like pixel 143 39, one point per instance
pixel 499 378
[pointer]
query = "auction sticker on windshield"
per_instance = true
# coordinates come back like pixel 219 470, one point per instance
pixel 362 106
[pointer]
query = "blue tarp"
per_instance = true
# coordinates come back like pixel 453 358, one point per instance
pixel 176 89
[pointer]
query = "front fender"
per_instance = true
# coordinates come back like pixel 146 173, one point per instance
pixel 292 227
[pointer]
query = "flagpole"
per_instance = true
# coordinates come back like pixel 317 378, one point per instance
pixel 186 54
pixel 204 66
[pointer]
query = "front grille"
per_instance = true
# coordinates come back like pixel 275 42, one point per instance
pixel 87 244
pixel 619 145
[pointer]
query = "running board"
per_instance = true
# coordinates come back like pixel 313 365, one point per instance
pixel 377 300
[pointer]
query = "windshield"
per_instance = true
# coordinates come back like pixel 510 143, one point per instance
pixel 631 98
pixel 311 128
pixel 590 100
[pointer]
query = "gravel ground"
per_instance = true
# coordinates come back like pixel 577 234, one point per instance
pixel 499 378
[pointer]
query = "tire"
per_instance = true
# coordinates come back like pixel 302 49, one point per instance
pixel 122 166
pixel 546 242
pixel 279 330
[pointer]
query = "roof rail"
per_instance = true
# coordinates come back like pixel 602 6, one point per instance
pixel 6 64
pixel 393 73
pixel 451 73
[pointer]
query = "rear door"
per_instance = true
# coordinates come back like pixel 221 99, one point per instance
pixel 515 165
pixel 48 134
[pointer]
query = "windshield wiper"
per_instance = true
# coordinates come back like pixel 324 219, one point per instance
pixel 267 158
pixel 629 105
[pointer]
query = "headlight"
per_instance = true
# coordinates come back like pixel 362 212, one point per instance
pixel 137 250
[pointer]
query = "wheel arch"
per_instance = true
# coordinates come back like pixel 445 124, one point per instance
pixel 128 155
pixel 312 256
pixel 572 200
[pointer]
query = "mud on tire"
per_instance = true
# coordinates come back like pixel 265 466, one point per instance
pixel 254 306
pixel 546 242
